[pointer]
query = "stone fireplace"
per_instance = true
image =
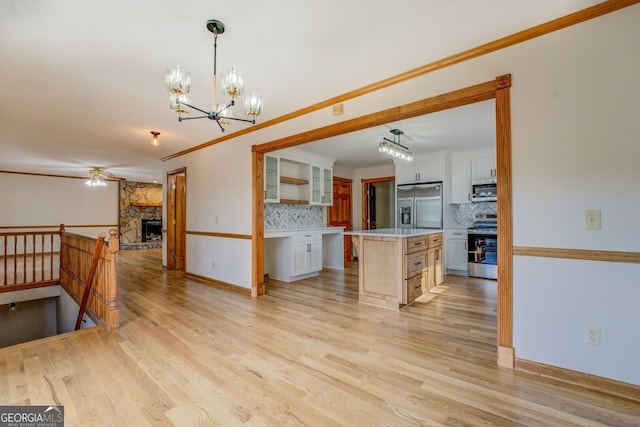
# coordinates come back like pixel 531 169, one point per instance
pixel 140 215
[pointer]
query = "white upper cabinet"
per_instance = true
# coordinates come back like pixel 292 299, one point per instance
pixel 294 176
pixel 321 185
pixel 461 181
pixel 483 168
pixel 419 171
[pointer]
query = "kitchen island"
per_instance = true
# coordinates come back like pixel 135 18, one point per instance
pixel 396 265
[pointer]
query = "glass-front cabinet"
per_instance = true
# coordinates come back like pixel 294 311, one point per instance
pixel 321 185
pixel 327 179
pixel 271 179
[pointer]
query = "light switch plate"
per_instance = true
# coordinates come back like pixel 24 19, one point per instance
pixel 592 219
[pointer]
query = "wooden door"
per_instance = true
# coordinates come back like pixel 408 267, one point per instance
pixel 340 213
pixel 176 219
pixel 181 235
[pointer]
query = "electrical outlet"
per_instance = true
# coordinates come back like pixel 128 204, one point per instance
pixel 592 220
pixel 216 219
pixel 592 335
pixel 213 264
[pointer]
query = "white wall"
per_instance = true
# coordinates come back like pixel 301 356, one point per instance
pixel 41 200
pixel 575 146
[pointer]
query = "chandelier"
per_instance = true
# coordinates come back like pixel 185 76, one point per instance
pixel 178 84
pixel 394 148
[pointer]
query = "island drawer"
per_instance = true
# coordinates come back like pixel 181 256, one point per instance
pixel 414 288
pixel 435 240
pixel 415 244
pixel 415 263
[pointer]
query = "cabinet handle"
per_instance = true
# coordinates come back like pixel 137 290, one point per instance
pixel 417 244
pixel 417 287
pixel 307 235
pixel 417 263
pixel 437 254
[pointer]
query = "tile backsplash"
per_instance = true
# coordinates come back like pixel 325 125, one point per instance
pixel 280 216
pixel 462 215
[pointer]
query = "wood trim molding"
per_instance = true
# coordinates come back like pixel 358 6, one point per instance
pixel 8 227
pixel 374 180
pixel 257 244
pixel 456 98
pixel 592 382
pixel 504 207
pixel 580 254
pixel 215 234
pixel 221 285
pixel 50 175
pixel 513 39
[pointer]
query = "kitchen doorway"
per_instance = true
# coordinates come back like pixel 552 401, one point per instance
pixel 497 89
pixel 378 203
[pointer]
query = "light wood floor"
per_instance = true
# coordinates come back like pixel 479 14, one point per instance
pixel 307 353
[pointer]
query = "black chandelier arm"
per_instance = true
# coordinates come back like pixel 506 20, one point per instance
pixel 180 118
pixel 253 121
pixel 195 108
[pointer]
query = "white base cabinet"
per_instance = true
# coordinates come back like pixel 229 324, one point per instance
pixel 307 254
pixel 456 250
pixel 291 255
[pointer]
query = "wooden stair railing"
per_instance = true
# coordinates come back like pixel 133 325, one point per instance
pixel 89 282
pixel 28 259
pixel 88 274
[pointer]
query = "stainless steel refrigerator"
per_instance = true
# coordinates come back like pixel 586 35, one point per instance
pixel 419 205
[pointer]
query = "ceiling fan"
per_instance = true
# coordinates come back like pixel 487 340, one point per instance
pixel 99 176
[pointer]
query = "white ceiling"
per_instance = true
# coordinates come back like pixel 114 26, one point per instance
pixel 82 81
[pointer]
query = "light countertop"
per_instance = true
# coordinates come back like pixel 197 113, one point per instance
pixel 290 231
pixel 394 232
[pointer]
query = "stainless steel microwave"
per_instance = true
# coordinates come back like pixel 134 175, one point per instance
pixel 484 190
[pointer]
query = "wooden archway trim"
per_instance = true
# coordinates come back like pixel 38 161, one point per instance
pixel 497 89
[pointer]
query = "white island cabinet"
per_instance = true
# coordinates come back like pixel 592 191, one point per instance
pixel 291 255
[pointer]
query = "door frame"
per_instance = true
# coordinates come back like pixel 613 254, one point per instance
pixel 348 248
pixel 171 216
pixel 497 89
pixel 365 184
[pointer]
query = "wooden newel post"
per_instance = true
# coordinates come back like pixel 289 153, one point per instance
pixel 113 313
